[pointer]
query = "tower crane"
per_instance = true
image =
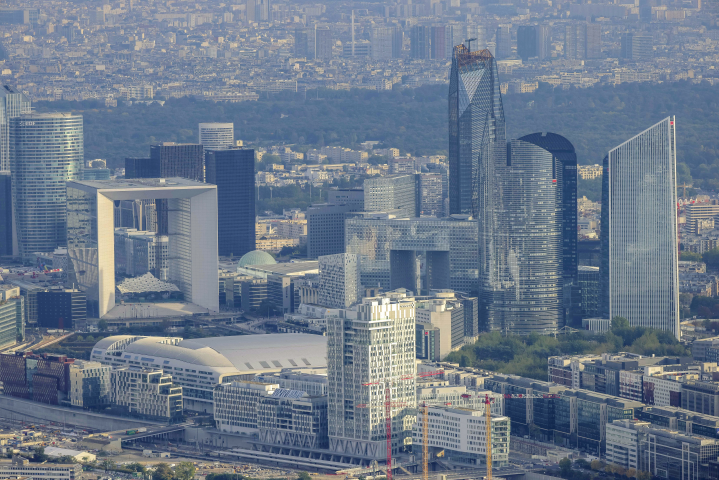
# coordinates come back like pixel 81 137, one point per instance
pixel 389 404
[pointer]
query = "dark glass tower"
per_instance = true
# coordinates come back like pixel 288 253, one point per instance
pixel 233 171
pixel 565 169
pixel 5 214
pixel 476 131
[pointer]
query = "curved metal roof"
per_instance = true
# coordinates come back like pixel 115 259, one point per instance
pixel 256 257
pixel 244 353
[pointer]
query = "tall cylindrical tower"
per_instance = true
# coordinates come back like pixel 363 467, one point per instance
pixel 46 151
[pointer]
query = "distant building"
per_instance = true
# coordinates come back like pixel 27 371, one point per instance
pixel 217 136
pixel 13 103
pixel 583 41
pixel 504 43
pixel 339 282
pixel 232 170
pixel 20 468
pixel 637 48
pixel 61 308
pixel 323 44
pixel 393 192
pixel 420 42
pixel 139 252
pixel 533 41
pixel 326 222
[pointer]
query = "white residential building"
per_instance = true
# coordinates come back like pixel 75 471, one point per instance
pixel 623 444
pixel 339 280
pixel 236 405
pixel 146 392
pixel 461 433
pixel 379 337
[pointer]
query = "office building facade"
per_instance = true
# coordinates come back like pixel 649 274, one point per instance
pixel 533 41
pixel 63 309
pixel 6 220
pixel 379 336
pixel 420 42
pixel 326 222
pixel 39 196
pixel 233 171
pixel 639 230
pixel 393 192
pixel 476 132
pixel 12 315
pixel 339 283
pixel 390 249
pixel 217 136
pixel 89 384
pixel 503 49
pixel 637 48
pixel 146 393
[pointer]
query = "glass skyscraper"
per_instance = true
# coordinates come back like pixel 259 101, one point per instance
pixel 46 151
pixel 639 267
pixel 476 133
pixel 565 169
pixel 12 104
pixel 520 270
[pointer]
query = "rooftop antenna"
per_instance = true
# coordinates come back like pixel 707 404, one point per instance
pixel 469 43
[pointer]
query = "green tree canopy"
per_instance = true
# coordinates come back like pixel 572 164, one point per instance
pixel 184 471
pixel 162 472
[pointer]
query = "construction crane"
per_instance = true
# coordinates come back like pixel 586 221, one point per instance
pixel 389 404
pixel 684 186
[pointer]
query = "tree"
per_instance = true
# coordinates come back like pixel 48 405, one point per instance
pixel 185 471
pixel 107 464
pixel 711 258
pixel 102 325
pixel 565 467
pixel 619 323
pixel 630 473
pixel 597 465
pixel 464 361
pixel 162 472
pixel 66 459
pixel 304 476
pixel 137 467
pixel 644 475
pixel 581 463
pixel 39 454
pixel 690 256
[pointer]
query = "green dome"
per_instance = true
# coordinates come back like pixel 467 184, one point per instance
pixel 256 257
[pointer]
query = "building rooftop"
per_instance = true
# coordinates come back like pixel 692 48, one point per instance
pixel 141 183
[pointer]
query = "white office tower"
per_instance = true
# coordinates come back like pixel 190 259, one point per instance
pixel 217 136
pixel 339 280
pixel 12 104
pixel 639 268
pixel 371 353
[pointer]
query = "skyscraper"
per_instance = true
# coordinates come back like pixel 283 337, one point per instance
pixel 583 41
pixel 39 193
pixel 533 41
pixel 323 44
pixel 637 47
pixel 378 336
pixel 217 136
pixel 12 104
pixel 520 267
pixel 438 49
pixel 476 130
pixel 304 42
pixel 639 267
pixel 6 236
pixel 339 280
pixel 326 221
pixel 419 42
pixel 382 38
pixel 565 168
pixel 233 171
pixel 504 43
